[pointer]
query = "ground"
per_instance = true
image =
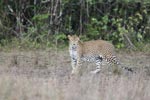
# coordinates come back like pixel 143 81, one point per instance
pixel 45 75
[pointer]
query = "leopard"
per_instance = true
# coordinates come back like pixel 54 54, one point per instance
pixel 91 51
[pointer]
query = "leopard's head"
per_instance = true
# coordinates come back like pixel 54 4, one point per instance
pixel 73 41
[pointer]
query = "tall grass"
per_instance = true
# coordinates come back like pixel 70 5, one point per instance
pixel 39 76
pixel 100 87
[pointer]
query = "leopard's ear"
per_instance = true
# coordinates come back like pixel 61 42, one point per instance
pixel 69 37
pixel 77 37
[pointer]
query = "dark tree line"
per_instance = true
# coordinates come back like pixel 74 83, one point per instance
pixel 120 21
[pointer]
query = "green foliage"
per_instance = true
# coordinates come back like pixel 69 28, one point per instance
pixel 40 17
pixel 33 25
pixel 60 36
pixel 114 28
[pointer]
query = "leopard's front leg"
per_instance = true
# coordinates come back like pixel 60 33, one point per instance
pixel 73 64
pixel 77 67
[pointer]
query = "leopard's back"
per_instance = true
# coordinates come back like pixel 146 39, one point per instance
pixel 98 48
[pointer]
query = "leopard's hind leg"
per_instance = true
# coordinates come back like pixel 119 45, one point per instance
pixel 98 61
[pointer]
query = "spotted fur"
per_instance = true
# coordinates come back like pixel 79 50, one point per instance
pixel 92 51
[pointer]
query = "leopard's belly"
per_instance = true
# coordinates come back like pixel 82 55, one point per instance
pixel 90 58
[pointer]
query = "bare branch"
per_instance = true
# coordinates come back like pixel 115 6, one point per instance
pixel 129 41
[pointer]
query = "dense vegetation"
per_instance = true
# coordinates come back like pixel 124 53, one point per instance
pixel 30 23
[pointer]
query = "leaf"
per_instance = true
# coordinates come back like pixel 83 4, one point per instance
pixel 104 27
pixel 40 16
pixel 139 36
pixel 105 19
pixel 139 16
pixel 144 11
pixel 60 36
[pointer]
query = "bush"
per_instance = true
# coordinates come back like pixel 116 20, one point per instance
pixel 49 22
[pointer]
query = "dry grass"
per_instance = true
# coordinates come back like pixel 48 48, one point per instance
pixel 44 75
pixel 100 87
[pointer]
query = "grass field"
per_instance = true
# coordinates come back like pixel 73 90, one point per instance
pixel 45 75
